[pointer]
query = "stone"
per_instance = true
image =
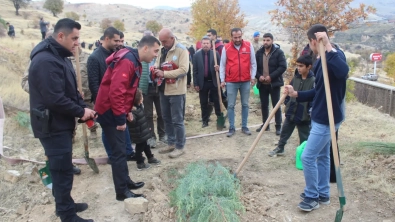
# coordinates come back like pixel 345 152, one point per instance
pixel 12 176
pixel 136 205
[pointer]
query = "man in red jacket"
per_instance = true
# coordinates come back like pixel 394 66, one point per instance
pixel 114 104
pixel 237 71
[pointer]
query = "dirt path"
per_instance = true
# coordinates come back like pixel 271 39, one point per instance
pixel 270 186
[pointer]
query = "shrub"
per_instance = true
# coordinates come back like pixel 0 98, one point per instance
pixel 207 192
pixel 23 119
pixel 350 87
pixel 72 15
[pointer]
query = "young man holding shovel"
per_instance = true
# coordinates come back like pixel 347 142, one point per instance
pixel 55 103
pixel 315 157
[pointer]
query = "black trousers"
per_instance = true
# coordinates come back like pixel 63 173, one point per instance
pixel 119 167
pixel 43 35
pixel 332 177
pixel 208 90
pixel 189 75
pixel 264 92
pixel 58 149
pixel 288 128
pixel 151 99
pixel 140 148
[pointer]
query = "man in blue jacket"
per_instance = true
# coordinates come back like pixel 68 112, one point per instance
pixel 315 157
pixel 55 103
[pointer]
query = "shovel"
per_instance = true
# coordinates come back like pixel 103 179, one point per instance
pixel 342 198
pixel 91 162
pixel 45 175
pixel 220 119
pixel 272 113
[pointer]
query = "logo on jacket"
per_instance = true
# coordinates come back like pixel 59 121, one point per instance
pixel 124 75
pixel 175 58
pixel 243 49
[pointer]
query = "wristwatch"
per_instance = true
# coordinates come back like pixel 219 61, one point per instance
pixel 333 50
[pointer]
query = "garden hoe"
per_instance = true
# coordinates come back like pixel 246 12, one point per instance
pixel 45 174
pixel 90 161
pixel 272 113
pixel 342 198
pixel 220 119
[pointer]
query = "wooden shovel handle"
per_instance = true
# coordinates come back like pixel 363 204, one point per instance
pixel 79 82
pixel 217 77
pixel 272 113
pixel 330 116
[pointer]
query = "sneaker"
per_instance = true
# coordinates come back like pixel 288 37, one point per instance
pixel 278 130
pixel 131 157
pixel 321 200
pixel 309 204
pixel 143 166
pixel 163 139
pixel 276 152
pixel 246 131
pixel 152 142
pixel 205 124
pixel 176 153
pixel 154 161
pixel 167 149
pixel 230 133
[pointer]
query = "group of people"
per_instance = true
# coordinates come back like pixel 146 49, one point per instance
pixel 242 64
pixel 126 83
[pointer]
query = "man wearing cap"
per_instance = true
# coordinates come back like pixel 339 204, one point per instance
pixel 255 43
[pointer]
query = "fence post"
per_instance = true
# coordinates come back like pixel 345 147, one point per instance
pixel 390 109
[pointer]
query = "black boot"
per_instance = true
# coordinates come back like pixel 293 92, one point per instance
pixel 127 194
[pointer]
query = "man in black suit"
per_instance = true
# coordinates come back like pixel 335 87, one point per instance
pixel 204 78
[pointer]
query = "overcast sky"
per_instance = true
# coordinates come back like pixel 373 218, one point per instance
pixel 140 3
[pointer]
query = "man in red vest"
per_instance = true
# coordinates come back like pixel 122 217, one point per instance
pixel 237 71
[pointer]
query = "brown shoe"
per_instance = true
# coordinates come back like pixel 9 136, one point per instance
pixel 176 153
pixel 167 149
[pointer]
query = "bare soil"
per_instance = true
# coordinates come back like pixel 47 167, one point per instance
pixel 270 186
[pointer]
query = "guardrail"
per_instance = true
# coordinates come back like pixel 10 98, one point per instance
pixel 374 94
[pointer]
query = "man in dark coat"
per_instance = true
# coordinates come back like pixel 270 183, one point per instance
pixel 55 103
pixel 271 64
pixel 204 78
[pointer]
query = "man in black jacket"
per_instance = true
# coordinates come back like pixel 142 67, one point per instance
pixel 271 64
pixel 55 103
pixel 96 68
pixel 204 78
pixel 97 60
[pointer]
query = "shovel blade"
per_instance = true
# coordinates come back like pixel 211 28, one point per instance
pixel 339 215
pixel 92 164
pixel 45 176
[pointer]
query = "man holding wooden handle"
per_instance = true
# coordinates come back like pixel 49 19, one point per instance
pixel 315 157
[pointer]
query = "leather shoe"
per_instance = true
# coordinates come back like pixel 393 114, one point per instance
pixel 127 194
pixel 134 186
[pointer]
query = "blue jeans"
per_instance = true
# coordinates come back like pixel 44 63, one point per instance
pixel 129 148
pixel 316 161
pixel 231 90
pixel 173 110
